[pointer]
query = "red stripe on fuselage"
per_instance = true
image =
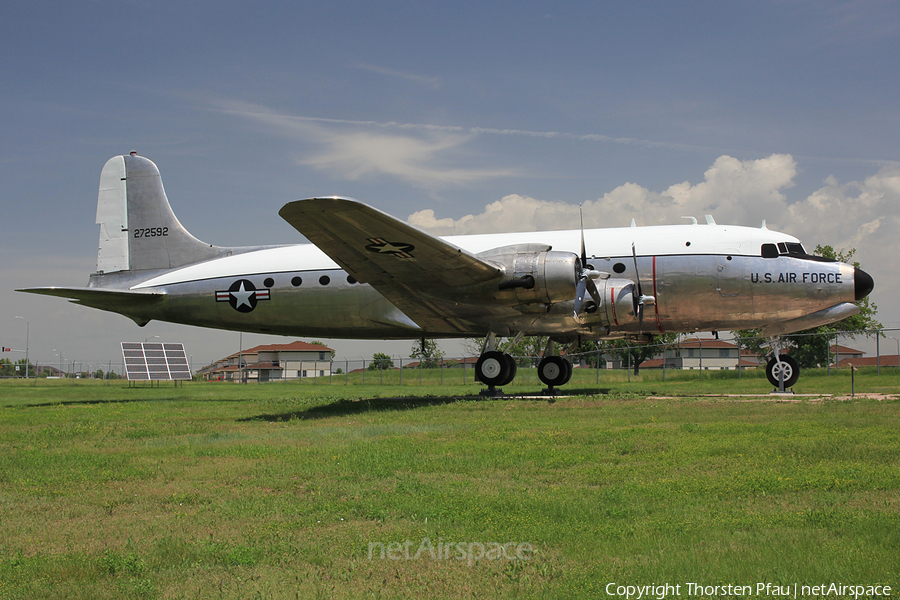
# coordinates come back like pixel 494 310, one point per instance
pixel 656 295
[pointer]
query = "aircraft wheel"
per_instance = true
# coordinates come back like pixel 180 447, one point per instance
pixel 788 368
pixel 569 369
pixel 511 364
pixel 492 368
pixel 553 371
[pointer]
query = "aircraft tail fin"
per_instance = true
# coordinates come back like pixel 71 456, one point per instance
pixel 138 230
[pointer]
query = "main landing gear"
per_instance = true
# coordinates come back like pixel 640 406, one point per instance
pixel 553 370
pixel 495 368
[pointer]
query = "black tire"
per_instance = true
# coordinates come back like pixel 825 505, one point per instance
pixel 511 364
pixel 791 371
pixel 492 368
pixel 553 371
pixel 569 368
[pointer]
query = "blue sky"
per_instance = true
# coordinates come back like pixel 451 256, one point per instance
pixel 783 110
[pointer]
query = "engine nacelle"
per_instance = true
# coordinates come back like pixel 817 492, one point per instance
pixel 535 274
pixel 617 302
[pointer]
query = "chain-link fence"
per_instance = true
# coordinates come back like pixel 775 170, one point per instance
pixel 878 349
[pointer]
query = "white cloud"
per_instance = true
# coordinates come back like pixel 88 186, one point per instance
pixel 421 155
pixel 733 191
pixel 432 82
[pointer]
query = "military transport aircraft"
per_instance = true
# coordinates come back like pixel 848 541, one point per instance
pixel 370 275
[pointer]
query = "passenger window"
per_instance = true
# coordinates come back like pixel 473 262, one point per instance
pixel 769 251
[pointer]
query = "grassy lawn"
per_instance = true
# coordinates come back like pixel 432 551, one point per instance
pixel 329 490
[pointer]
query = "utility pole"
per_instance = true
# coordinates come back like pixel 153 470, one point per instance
pixel 27 327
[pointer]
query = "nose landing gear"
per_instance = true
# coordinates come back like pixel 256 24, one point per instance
pixel 782 371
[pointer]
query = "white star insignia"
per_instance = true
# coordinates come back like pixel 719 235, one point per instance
pixel 242 296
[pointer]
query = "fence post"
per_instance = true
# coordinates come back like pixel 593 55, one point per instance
pixel 877 354
pixel 665 352
pixel 628 363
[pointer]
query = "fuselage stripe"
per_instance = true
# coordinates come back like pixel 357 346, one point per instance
pixel 656 295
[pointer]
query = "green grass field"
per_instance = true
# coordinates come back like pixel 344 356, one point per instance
pixel 329 490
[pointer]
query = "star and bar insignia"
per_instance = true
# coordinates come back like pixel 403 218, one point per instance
pixel 242 295
pixel 399 250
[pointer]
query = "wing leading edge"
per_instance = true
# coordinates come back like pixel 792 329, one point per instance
pixel 411 268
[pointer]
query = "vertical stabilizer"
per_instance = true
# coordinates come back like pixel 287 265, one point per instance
pixel 138 230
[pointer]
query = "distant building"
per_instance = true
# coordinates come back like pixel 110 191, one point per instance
pixel 696 353
pixel 885 360
pixel 271 362
pixel 841 353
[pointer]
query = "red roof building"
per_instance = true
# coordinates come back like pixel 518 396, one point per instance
pixel 272 362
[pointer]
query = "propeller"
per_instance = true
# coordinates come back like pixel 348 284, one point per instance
pixel 586 278
pixel 640 299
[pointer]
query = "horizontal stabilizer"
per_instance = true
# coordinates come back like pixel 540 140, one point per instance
pixel 132 304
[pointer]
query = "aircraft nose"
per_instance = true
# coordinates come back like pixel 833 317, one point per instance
pixel 863 283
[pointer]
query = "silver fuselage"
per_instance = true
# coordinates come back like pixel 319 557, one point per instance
pixel 703 277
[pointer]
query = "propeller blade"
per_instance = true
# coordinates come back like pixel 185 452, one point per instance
pixel 639 299
pixel 579 293
pixel 583 251
pixel 637 274
pixel 592 290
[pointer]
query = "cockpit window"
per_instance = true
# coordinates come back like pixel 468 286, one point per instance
pixel 783 249
pixel 792 249
pixel 769 251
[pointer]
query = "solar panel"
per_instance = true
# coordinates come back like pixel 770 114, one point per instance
pixel 154 361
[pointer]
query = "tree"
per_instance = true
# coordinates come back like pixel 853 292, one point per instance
pixel 318 343
pixel 428 352
pixel 810 347
pixel 527 348
pixel 380 362
pixel 633 354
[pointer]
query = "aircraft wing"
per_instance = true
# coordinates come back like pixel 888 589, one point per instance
pixel 408 266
